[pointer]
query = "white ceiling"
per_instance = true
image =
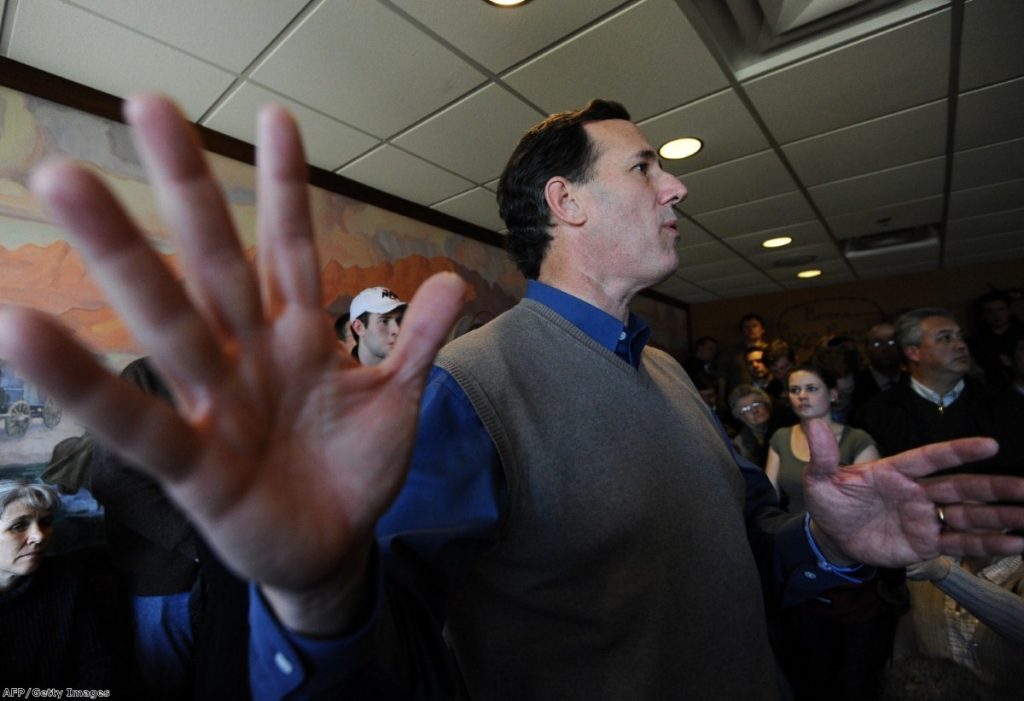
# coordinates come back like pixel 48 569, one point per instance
pixel 841 134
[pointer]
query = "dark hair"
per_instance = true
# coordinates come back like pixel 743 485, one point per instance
pixel 751 316
pixel 776 350
pixel 703 381
pixel 339 327
pixel 705 339
pixel 558 146
pixel 827 374
pixel 992 296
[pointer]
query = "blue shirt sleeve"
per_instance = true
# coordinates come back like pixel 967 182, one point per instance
pixel 449 507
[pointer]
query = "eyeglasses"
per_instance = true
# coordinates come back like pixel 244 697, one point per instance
pixel 754 406
pixel 891 343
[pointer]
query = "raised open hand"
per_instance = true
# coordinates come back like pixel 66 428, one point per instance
pixel 884 512
pixel 282 452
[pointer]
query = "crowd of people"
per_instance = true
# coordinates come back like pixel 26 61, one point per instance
pixel 912 381
pixel 543 507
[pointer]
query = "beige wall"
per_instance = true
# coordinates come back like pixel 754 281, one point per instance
pixel 807 315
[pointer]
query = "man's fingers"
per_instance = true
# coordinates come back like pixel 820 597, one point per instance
pixel 951 489
pixel 982 544
pixel 288 260
pixel 135 280
pixel 925 460
pixel 824 449
pixel 425 325
pixel 982 517
pixel 219 278
pixel 145 430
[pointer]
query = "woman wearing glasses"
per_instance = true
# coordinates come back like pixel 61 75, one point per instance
pixel 753 407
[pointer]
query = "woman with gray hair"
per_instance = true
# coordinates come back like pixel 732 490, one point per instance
pixel 59 615
pixel 26 522
pixel 753 406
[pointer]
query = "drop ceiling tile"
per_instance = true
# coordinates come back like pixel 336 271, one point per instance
pixel 892 70
pixel 990 115
pixel 990 46
pixel 787 276
pixel 769 213
pixel 492 185
pixel 890 217
pixel 890 260
pixel 712 271
pixel 985 200
pixel 803 234
pixel 829 277
pixel 983 257
pixel 896 139
pixel 894 270
pixel 498 37
pixel 209 30
pixel 615 58
pixel 475 136
pixel 985 225
pixel 988 165
pixel 1010 243
pixel 690 234
pixel 686 291
pixel 328 143
pixel 72 43
pixel 751 177
pixel 720 121
pixel 336 62
pixel 873 190
pixel 393 170
pixel 701 254
pixel 476 206
pixel 819 252
pixel 766 288
pixel 738 285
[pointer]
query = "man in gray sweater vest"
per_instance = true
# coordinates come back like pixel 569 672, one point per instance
pixel 573 518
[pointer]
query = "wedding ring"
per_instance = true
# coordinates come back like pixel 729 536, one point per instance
pixel 941 515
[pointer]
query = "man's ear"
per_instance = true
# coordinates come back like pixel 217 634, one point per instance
pixel 911 353
pixel 560 195
pixel 357 327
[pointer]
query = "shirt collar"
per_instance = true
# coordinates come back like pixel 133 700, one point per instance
pixel 941 400
pixel 627 342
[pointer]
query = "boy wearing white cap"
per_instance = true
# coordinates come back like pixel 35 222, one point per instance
pixel 376 314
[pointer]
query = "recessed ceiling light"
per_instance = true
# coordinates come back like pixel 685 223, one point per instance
pixel 506 3
pixel 809 273
pixel 680 148
pixel 778 242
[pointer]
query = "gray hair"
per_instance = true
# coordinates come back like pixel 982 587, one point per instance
pixel 740 391
pixel 908 325
pixel 35 495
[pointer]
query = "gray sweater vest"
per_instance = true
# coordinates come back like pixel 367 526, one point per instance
pixel 623 569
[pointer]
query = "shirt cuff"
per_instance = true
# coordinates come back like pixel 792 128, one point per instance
pixel 284 664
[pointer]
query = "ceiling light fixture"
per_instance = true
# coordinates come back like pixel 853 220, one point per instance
pixel 805 274
pixel 506 3
pixel 680 148
pixel 778 242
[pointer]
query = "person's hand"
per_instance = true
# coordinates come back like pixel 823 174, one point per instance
pixel 884 512
pixel 282 452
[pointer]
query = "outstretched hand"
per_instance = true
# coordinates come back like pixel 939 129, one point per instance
pixel 884 512
pixel 281 451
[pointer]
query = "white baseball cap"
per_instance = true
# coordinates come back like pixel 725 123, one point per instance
pixel 378 300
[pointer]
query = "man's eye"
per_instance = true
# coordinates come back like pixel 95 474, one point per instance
pixel 642 167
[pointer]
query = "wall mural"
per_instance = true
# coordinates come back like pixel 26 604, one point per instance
pixel 360 245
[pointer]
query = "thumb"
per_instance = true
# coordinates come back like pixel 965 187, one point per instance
pixel 824 449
